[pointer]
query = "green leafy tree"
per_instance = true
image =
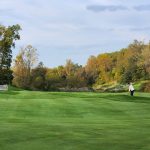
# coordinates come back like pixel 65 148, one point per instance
pixel 38 81
pixel 8 36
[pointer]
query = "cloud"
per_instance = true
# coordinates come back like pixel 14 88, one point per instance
pixel 73 32
pixel 140 29
pixel 101 8
pixel 5 11
pixel 142 8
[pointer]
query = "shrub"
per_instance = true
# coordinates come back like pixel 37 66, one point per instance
pixel 146 87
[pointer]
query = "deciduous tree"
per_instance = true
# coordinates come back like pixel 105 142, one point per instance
pixel 8 36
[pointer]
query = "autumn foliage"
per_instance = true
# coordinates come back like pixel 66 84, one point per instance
pixel 128 64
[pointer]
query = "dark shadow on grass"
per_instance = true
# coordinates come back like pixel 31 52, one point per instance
pixel 13 88
pixel 127 98
pixel 109 96
pixel 9 92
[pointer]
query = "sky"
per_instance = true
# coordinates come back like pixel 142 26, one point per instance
pixel 76 29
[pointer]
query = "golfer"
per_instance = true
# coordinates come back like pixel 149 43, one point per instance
pixel 131 89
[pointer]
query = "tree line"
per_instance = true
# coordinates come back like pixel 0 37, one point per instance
pixel 130 64
pixel 127 65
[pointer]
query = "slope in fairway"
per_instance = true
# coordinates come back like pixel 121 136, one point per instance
pixel 74 121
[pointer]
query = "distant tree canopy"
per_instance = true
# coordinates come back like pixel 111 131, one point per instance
pixel 128 64
pixel 8 36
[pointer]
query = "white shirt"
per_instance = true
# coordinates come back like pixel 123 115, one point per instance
pixel 131 88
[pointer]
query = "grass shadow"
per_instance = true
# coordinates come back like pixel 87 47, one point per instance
pixel 9 92
pixel 127 98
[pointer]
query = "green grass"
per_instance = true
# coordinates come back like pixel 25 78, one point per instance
pixel 74 121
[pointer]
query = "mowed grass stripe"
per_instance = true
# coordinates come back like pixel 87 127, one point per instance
pixel 76 121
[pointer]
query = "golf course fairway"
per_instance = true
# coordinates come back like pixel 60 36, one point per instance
pixel 74 121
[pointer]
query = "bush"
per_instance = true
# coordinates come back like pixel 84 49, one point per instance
pixel 146 87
